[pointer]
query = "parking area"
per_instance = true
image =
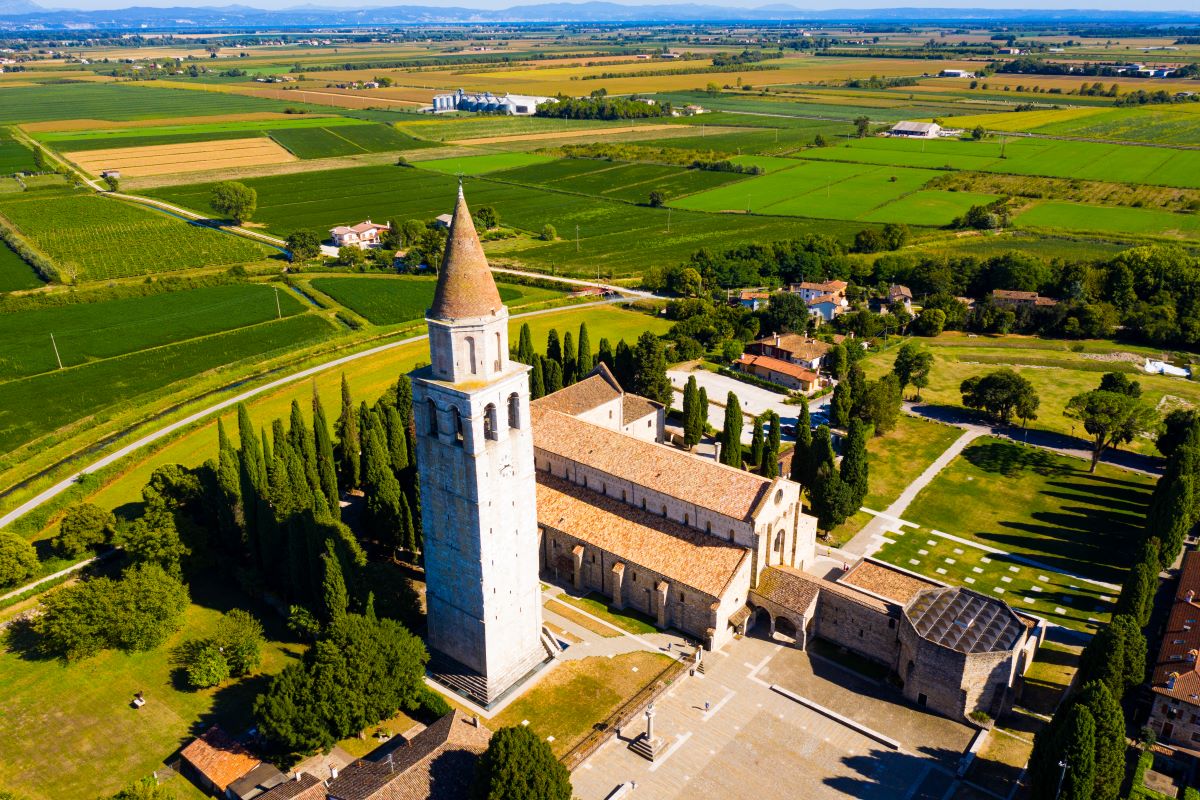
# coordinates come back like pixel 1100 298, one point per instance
pixel 755 742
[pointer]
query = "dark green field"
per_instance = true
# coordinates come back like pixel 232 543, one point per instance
pixel 14 156
pixel 403 298
pixel 14 272
pixel 90 331
pixel 617 181
pixel 344 140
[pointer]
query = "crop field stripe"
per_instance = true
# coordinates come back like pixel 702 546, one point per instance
pixel 355 145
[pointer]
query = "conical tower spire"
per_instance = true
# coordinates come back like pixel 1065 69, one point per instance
pixel 465 287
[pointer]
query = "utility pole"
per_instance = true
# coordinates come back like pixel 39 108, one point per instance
pixel 278 312
pixel 1061 775
pixel 54 344
pixel 576 237
pixel 668 219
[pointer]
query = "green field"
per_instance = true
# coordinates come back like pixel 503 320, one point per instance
pixel 87 332
pixel 608 230
pixel 1110 219
pixel 115 137
pixel 98 238
pixel 331 141
pixel 14 272
pixel 619 180
pixel 1161 166
pixel 1174 124
pixel 404 298
pixel 479 165
pixel 107 385
pixel 121 101
pixel 14 156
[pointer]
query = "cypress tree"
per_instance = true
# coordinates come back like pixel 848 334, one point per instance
pixel 841 405
pixel 1137 593
pixel 554 375
pixel 650 370
pixel 266 455
pixel 525 345
pixel 822 449
pixel 731 434
pixel 304 494
pixel 692 429
pixel 229 485
pixel 702 410
pixel 553 348
pixel 756 443
pixel 583 358
pixel 829 497
pixel 335 600
pixel 1079 752
pixel 604 354
pixel 1110 740
pixel 771 467
pixel 408 531
pixel 623 364
pixel 397 441
pixel 537 378
pixel 304 443
pixel 570 363
pixel 364 425
pixel 1133 651
pixel 376 461
pixel 1104 660
pixel 250 469
pixel 279 438
pixel 347 443
pixel 800 456
pixel 404 399
pixel 326 464
pixel 855 467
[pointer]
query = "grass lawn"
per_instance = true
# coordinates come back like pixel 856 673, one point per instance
pixel 577 695
pixel 359 746
pixel 587 623
pixel 1056 372
pixel 1049 675
pixel 1000 761
pixel 110 744
pixel 597 606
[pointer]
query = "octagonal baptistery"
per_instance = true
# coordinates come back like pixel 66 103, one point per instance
pixel 959 651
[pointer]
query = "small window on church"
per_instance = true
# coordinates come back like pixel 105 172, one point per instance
pixel 499 352
pixel 681 598
pixel 471 353
pixel 489 422
pixel 687 519
pixel 433 422
pixel 459 437
pixel 708 527
pixel 514 410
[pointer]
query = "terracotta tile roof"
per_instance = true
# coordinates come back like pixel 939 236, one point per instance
pixel 754 296
pixel 1181 640
pixel 886 581
pixel 660 468
pixel 824 298
pixel 436 764
pixel 640 538
pixel 799 346
pixel 635 407
pixel 302 787
pixel 782 367
pixel 1011 294
pixel 465 287
pixel 897 292
pixel 833 287
pixel 598 388
pixel 787 587
pixel 219 757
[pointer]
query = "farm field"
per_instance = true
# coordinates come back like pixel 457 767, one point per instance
pixel 14 156
pixel 1084 160
pixel 1056 372
pixel 109 101
pixel 106 385
pixel 167 159
pixel 1107 219
pixel 89 331
pixel 100 134
pixel 1176 124
pixel 618 180
pixel 332 141
pixel 404 298
pixel 483 164
pixel 317 201
pixel 14 272
pixel 97 238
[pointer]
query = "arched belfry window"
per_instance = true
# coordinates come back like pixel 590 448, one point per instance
pixel 471 353
pixel 489 422
pixel 499 352
pixel 459 437
pixel 514 410
pixel 433 420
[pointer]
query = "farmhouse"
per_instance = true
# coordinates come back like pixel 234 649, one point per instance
pixel 916 130
pixel 753 300
pixel 1008 298
pixel 364 234
pixel 955 73
pixel 827 306
pixel 486 102
pixel 895 294
pixel 793 348
pixel 784 373
pixel 811 291
pixel 1175 678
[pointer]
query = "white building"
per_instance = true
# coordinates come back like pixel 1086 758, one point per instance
pixel 916 130
pixel 486 102
pixel 364 234
pixel 955 73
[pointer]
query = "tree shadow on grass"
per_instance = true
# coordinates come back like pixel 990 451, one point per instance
pixel 1097 560
pixel 1009 459
pixel 1083 482
pixel 1112 505
pixel 886 774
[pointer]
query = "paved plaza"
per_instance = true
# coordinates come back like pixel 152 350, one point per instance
pixel 755 742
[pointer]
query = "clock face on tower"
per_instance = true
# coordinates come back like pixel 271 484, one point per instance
pixel 506 469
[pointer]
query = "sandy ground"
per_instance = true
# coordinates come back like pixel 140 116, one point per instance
pixel 169 158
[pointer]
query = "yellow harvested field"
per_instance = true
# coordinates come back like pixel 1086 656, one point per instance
pixel 344 98
pixel 95 125
pixel 1066 83
pixel 588 132
pixel 165 159
pixel 1026 120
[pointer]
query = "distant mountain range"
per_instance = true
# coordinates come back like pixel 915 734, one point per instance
pixel 27 14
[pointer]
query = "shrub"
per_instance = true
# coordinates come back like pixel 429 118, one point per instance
pixel 84 528
pixel 18 559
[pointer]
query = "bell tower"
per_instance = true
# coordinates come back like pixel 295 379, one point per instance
pixel 478 491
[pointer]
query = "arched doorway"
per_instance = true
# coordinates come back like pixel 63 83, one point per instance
pixel 785 630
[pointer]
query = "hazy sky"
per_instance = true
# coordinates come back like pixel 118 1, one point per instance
pixel 1108 5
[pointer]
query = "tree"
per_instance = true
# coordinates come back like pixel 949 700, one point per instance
pixel 554 375
pixel 855 469
pixel 800 455
pixel 303 245
pixel 84 528
pixel 650 370
pixel 335 600
pixel 154 539
pixel 519 765
pixel 147 788
pixel 239 637
pixel 657 199
pixel 841 405
pixel 236 201
pixel 570 363
pixel 326 459
pixel 1133 652
pixel 757 443
pixel 693 421
pixel 1111 418
pixel 18 559
pixel 930 322
pixel 880 403
pixel 978 132
pixel 862 126
pixel 1079 752
pixel 553 347
pixel 770 466
pixel 206 666
pixel 1000 394
pixel 548 233
pixel 895 235
pixel 1110 739
pixel 486 217
pixel 537 378
pixel 348 446
pixel 583 355
pixel 1137 593
pixel 913 363
pixel 731 434
pixel 525 350
pixel 351 255
pixel 1120 383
